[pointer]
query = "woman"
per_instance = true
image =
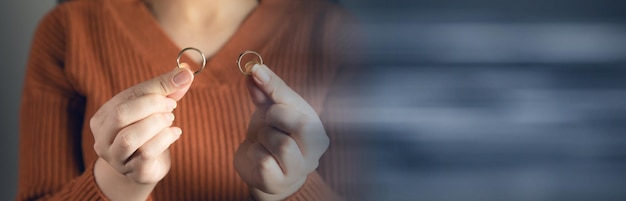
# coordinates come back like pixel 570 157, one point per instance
pixel 105 116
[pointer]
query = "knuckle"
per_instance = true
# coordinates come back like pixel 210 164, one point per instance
pixel 154 99
pixel 305 123
pixel 159 120
pixel 164 119
pixel 94 123
pixel 284 145
pixel 129 167
pixel 312 166
pixel 119 114
pixel 324 141
pixel 274 110
pixel 163 102
pixel 134 92
pixel 125 141
pixel 313 124
pixel 123 169
pixel 100 149
pixel 265 164
pixel 146 154
pixel 277 92
pixel 158 101
pixel 163 85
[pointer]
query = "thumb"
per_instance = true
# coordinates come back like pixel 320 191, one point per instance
pixel 267 88
pixel 182 81
pixel 257 96
pixel 173 84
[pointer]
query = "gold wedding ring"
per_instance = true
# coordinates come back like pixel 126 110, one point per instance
pixel 248 65
pixel 180 54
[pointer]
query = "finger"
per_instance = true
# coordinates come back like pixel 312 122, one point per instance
pixel 256 123
pixel 154 147
pixel 101 121
pixel 147 165
pixel 275 89
pixel 284 149
pixel 173 84
pixel 178 94
pixel 129 139
pixel 306 130
pixel 242 162
pixel 257 96
pixel 148 171
pixel 266 174
pixel 136 109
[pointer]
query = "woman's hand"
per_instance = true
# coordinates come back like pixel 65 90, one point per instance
pixel 284 142
pixel 133 132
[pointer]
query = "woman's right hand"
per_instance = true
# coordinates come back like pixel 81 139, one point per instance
pixel 133 132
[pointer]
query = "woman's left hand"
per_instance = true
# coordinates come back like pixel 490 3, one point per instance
pixel 284 141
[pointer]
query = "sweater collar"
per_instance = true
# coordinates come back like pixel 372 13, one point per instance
pixel 154 44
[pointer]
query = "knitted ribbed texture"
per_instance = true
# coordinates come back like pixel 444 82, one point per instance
pixel 86 51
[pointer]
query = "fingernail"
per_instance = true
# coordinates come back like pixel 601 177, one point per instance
pixel 177 131
pixel 183 77
pixel 169 117
pixel 171 103
pixel 261 76
pixel 249 65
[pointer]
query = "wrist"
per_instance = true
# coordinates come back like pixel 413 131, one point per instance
pixel 116 186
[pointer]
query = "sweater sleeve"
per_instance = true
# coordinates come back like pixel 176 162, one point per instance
pixel 51 165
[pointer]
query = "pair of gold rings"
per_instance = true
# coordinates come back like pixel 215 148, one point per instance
pixel 180 54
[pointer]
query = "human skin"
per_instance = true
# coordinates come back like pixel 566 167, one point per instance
pixel 133 132
pixel 284 141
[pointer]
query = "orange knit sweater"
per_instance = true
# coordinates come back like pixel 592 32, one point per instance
pixel 86 51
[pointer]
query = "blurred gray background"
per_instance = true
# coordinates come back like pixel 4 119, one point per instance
pixel 18 20
pixel 460 100
pixel 491 100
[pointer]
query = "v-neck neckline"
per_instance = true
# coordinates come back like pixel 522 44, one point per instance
pixel 161 51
